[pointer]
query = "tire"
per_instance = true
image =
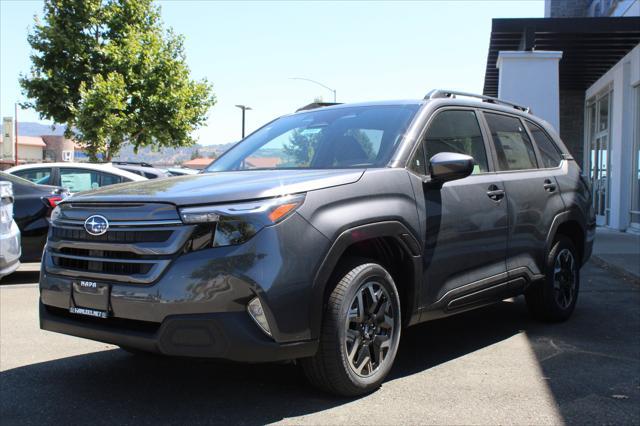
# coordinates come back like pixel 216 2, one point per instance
pixel 554 298
pixel 349 331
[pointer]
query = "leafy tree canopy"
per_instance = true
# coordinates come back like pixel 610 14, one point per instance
pixel 111 72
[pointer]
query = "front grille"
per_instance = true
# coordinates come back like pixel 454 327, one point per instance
pixel 132 252
pixel 115 236
pixel 106 254
pixel 103 267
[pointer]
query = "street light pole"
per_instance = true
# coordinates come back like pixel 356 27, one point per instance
pixel 243 108
pixel 318 83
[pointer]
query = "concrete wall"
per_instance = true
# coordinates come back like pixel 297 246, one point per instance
pixel 622 78
pixel 572 122
pixel 531 79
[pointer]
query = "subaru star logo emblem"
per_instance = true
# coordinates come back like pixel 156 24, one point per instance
pixel 96 224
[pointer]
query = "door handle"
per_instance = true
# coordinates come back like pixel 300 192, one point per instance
pixel 549 186
pixel 495 193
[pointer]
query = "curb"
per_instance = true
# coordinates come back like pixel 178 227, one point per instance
pixel 616 269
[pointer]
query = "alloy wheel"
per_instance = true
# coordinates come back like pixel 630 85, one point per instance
pixel 369 329
pixel 565 278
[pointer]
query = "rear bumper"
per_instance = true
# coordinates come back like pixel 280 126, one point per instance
pixel 229 335
pixel 10 251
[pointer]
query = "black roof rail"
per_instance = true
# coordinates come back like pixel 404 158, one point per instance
pixel 132 163
pixel 440 93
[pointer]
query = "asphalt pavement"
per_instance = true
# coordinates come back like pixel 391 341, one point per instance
pixel 491 366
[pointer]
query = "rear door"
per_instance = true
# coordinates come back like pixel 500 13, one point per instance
pixel 465 221
pixel 532 193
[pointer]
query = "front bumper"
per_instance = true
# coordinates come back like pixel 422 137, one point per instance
pixel 198 305
pixel 225 335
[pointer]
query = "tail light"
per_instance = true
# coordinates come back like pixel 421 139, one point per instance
pixel 52 201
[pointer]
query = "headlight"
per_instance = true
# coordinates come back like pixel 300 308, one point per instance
pixel 230 224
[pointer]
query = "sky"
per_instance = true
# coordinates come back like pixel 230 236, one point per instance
pixel 250 51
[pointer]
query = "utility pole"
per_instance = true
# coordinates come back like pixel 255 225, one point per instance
pixel 15 122
pixel 243 108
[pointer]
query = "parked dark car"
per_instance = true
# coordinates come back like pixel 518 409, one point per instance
pixel 323 234
pixel 32 207
pixel 142 169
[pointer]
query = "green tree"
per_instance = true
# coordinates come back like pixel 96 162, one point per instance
pixel 111 72
pixel 301 147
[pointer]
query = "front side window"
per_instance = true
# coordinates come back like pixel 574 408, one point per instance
pixel 513 147
pixel 40 176
pixel 549 154
pixel 77 180
pixel 457 131
pixel 322 139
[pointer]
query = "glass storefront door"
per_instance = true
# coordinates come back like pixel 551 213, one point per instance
pixel 635 171
pixel 598 112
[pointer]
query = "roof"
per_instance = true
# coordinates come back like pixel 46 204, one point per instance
pixel 263 162
pixel 29 141
pixel 197 163
pixel 104 167
pixel 590 46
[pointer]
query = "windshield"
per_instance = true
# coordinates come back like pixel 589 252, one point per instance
pixel 363 136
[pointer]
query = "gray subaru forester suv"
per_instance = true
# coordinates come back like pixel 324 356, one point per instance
pixel 323 234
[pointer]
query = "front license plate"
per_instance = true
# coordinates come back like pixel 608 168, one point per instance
pixel 90 298
pixel 89 312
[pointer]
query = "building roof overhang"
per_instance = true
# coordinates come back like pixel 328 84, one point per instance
pixel 590 46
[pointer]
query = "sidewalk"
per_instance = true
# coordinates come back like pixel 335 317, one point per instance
pixel 618 251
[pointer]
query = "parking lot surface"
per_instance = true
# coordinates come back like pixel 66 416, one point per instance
pixel 490 366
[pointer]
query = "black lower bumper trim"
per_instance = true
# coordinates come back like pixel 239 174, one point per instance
pixel 227 335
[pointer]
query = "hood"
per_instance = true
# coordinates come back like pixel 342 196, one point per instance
pixel 221 187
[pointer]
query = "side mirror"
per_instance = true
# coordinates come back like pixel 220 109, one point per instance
pixel 447 166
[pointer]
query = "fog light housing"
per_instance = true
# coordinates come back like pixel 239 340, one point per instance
pixel 254 308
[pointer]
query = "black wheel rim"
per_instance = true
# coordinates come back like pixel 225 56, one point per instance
pixel 565 278
pixel 369 329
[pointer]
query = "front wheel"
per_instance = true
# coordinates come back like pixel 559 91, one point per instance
pixel 360 332
pixel 554 299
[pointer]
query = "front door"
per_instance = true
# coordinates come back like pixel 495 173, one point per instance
pixel 466 220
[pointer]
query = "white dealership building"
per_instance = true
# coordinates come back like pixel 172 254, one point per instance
pixel 579 68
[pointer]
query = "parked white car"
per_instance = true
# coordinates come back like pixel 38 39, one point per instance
pixel 75 177
pixel 9 233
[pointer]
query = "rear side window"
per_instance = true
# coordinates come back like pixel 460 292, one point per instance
pixel 41 176
pixel 459 132
pixel 513 146
pixel 77 180
pixel 549 154
pixel 109 179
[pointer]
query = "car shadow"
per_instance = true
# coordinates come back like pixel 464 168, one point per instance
pixel 590 365
pixel 20 277
pixel 125 388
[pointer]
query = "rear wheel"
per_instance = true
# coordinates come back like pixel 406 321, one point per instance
pixel 555 298
pixel 360 332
